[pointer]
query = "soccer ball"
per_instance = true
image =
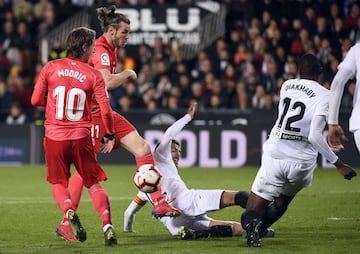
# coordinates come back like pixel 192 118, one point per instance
pixel 147 178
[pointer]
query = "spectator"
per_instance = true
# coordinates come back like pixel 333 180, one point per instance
pixel 16 115
pixel 240 101
pixel 269 104
pixel 41 7
pixel 6 100
pixel 257 101
pixel 135 101
pixel 197 95
pixel 47 23
pixel 173 102
pixel 151 105
pixel 57 50
pixel 64 10
pixel 24 41
pixel 351 20
pixel 124 103
pixel 7 35
pixel 21 9
pixel 4 65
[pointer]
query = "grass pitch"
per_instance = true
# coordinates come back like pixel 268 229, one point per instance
pixel 322 219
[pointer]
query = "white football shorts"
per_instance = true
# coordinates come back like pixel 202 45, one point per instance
pixel 277 177
pixel 194 216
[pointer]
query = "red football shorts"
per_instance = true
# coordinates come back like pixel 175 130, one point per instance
pixel 60 154
pixel 121 125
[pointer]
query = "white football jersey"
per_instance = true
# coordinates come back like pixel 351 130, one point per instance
pixel 300 100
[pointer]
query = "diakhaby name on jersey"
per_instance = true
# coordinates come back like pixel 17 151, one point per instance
pixel 301 88
pixel 71 73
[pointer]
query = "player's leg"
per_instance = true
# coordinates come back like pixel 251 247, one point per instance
pixel 214 231
pixel 205 227
pixel 89 169
pixel 129 215
pixel 230 198
pixel 58 158
pixel 75 188
pixel 275 211
pixel 251 219
pixel 131 141
pixel 267 185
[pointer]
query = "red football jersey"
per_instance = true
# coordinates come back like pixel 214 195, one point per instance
pixel 70 85
pixel 105 57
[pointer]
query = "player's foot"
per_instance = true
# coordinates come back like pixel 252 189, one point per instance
pixel 76 225
pixel 268 233
pixel 64 231
pixel 253 234
pixel 186 233
pixel 163 208
pixel 110 237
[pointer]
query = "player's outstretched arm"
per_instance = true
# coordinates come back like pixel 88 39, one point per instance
pixel 116 80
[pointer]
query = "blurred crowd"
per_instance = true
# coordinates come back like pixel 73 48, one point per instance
pixel 241 71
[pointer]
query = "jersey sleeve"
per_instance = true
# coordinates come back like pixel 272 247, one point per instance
pixel 171 132
pixel 100 92
pixel 336 92
pixel 323 107
pixel 102 97
pixel 38 97
pixel 318 141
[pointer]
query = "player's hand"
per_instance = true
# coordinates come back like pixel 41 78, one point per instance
pixel 344 169
pixel 106 145
pixel 335 136
pixel 192 108
pixel 130 74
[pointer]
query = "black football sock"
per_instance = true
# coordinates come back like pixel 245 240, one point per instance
pixel 214 231
pixel 241 198
pixel 273 213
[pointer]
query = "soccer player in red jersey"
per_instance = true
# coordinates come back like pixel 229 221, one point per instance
pixel 116 30
pixel 66 88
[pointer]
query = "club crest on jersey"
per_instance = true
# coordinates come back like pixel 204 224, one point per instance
pixel 105 59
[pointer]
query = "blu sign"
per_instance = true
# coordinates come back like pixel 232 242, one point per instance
pixel 165 21
pixel 14 151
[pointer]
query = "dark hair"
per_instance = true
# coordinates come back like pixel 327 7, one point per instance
pixel 309 67
pixel 77 39
pixel 173 141
pixel 108 17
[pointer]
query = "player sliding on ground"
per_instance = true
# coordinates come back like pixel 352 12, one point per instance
pixel 193 222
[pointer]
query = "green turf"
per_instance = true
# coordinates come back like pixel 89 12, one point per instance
pixel 29 216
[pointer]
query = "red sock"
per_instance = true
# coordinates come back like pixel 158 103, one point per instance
pixel 62 197
pixel 75 189
pixel 101 203
pixel 144 159
pixel 148 159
